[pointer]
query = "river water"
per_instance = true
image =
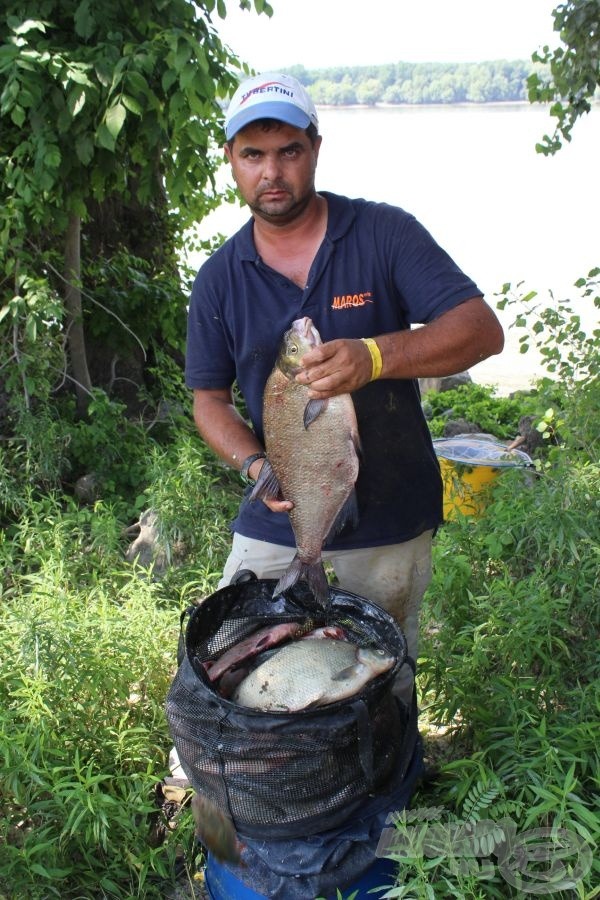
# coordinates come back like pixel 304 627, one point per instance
pixel 471 175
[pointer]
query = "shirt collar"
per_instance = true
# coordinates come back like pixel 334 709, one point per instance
pixel 340 216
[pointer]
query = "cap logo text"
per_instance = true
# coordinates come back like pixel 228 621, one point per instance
pixel 269 87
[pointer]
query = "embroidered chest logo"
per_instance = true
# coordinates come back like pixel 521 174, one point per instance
pixel 344 301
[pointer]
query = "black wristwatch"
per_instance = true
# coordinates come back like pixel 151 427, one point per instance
pixel 246 465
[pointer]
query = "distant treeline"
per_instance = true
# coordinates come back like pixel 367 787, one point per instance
pixel 403 82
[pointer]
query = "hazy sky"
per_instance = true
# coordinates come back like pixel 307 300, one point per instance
pixel 322 33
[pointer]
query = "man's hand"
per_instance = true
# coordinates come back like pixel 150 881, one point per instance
pixel 337 367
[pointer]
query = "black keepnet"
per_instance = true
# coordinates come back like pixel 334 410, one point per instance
pixel 281 774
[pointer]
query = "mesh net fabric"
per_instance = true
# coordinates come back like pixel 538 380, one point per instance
pixel 285 774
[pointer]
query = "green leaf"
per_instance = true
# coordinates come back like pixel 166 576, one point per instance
pixel 196 133
pixel 28 25
pixel 84 20
pixel 182 55
pixel 76 100
pixel 17 114
pixel 187 75
pixel 103 72
pixel 84 148
pixel 64 121
pixel 114 119
pixel 52 156
pixel 27 99
pixel 137 82
pixel 104 139
pixel 202 60
pixel 31 328
pixel 168 79
pixel 110 885
pixel 40 870
pixel 77 75
pixel 131 104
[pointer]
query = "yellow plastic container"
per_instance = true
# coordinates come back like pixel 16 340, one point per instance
pixel 469 465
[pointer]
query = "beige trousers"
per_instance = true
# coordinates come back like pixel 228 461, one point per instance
pixel 395 576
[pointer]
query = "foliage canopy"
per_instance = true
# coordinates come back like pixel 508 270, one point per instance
pixel 96 101
pixel 110 119
pixel 571 75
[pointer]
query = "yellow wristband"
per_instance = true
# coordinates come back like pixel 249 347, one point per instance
pixel 372 347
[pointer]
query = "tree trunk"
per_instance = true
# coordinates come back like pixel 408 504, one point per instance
pixel 75 334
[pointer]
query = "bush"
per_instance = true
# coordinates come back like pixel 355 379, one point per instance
pixel 478 404
pixel 510 661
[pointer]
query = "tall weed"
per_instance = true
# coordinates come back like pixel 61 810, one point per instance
pixel 88 650
pixel 510 658
pixel 196 498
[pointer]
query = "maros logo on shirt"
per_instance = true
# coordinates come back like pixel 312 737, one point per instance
pixel 345 301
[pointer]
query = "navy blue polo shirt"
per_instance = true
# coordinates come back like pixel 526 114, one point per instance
pixel 378 270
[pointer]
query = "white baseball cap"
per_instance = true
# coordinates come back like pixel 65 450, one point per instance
pixel 271 95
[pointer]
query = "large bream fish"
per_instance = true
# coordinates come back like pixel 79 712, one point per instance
pixel 312 459
pixel 309 673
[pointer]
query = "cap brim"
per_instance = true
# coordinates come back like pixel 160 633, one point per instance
pixel 283 112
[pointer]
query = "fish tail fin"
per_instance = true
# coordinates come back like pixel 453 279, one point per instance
pixel 311 572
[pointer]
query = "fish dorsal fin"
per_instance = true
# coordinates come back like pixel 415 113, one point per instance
pixel 313 410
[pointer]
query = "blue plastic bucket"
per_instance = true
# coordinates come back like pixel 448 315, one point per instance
pixel 222 884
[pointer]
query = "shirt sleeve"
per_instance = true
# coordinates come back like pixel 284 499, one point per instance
pixel 426 279
pixel 209 361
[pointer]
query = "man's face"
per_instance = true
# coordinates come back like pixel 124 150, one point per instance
pixel 274 170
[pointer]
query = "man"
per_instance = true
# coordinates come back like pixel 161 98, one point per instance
pixel 359 270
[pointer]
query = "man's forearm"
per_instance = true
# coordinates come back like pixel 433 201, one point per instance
pixel 223 428
pixel 459 339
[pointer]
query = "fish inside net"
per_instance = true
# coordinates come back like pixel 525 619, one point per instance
pixel 282 774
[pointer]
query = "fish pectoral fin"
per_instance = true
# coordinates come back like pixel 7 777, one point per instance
pixel 267 484
pixel 314 703
pixel 348 673
pixel 313 410
pixel 346 518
